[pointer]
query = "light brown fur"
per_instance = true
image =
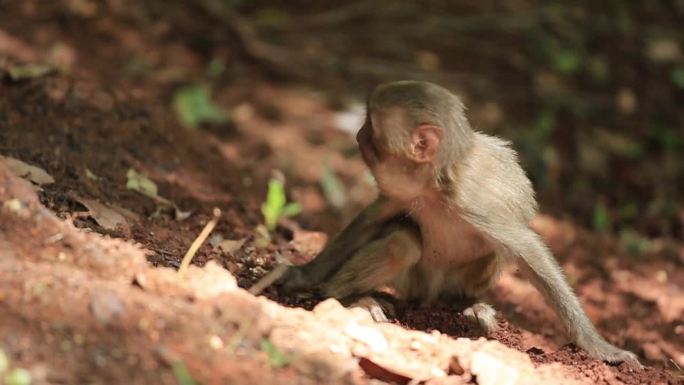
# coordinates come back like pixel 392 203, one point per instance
pixel 468 198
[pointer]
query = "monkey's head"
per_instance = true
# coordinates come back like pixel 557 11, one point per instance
pixel 413 131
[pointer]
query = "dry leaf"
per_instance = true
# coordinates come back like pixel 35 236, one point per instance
pixel 29 71
pixel 309 242
pixel 24 170
pixel 107 217
pixel 231 246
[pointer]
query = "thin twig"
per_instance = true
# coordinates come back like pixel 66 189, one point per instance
pixel 198 241
pixel 677 366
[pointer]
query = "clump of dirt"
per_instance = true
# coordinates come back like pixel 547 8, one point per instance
pixel 79 307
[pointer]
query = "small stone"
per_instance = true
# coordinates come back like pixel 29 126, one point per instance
pixel 329 306
pixel 216 342
pixel 106 307
pixel 373 338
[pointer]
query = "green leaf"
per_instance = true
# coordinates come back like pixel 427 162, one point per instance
pixel 634 243
pixel 4 361
pixel 215 68
pixel 546 122
pixel 291 209
pixel 567 61
pixel 194 106
pixel 677 76
pixel 601 219
pixel 277 358
pixel 333 189
pixel 275 201
pixel 18 376
pixel 140 183
pixel 561 58
pixel 29 71
pixel 276 205
pixel 182 374
pixel 272 18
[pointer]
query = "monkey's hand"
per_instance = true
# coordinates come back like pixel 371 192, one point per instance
pixel 296 279
pixel 603 350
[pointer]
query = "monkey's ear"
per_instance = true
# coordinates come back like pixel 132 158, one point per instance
pixel 425 143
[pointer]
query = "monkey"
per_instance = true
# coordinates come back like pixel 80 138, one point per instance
pixel 453 205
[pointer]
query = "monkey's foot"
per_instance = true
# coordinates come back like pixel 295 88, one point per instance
pixel 484 315
pixel 376 307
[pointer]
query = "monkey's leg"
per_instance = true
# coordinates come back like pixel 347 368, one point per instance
pixel 367 225
pixel 470 280
pixel 376 264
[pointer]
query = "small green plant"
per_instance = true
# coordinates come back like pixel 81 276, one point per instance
pixel 183 376
pixel 562 58
pixel 18 376
pixel 277 358
pixel 677 76
pixel 276 205
pixel 633 243
pixel 194 106
pixel 333 188
pixel 601 219
pixel 4 361
pixel 15 376
pixel 538 137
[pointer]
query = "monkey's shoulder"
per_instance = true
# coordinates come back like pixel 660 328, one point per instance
pixel 492 183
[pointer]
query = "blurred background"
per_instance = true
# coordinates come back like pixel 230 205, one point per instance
pixel 591 94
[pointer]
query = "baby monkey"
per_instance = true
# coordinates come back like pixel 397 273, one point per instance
pixel 453 204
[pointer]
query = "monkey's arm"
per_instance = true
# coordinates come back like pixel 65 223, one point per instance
pixel 365 227
pixel 546 275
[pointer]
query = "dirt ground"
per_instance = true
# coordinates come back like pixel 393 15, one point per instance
pixel 89 291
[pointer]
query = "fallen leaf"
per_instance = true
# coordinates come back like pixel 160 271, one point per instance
pixel 195 106
pixel 140 183
pixel 309 242
pixel 91 175
pixel 144 185
pixel 24 170
pixel 230 245
pixel 333 188
pixel 105 216
pixel 29 71
pixel 263 237
pixel 374 370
